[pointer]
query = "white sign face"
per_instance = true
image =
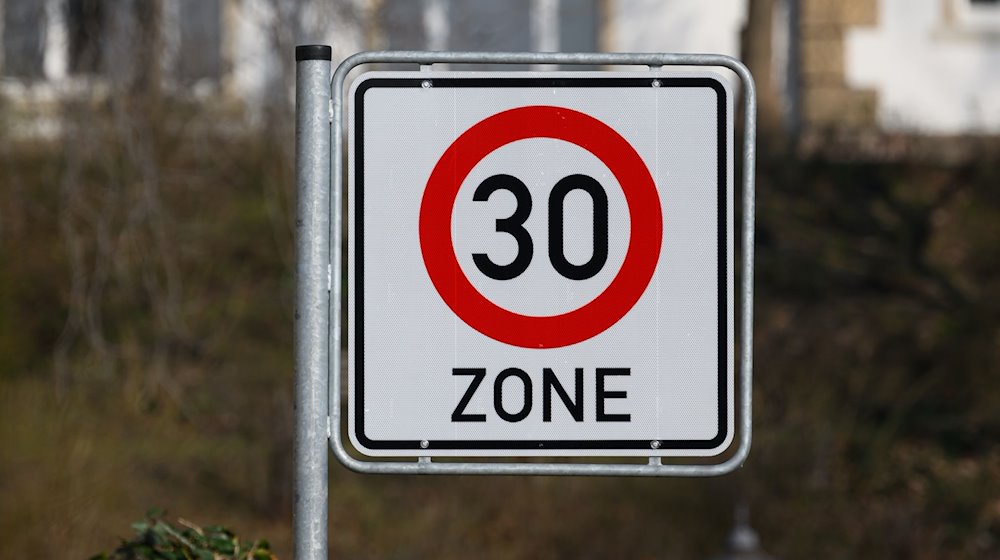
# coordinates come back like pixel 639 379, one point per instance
pixel 540 264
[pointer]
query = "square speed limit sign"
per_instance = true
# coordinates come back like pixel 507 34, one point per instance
pixel 540 264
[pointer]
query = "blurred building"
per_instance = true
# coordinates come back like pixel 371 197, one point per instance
pixel 882 79
pixel 55 42
pixel 230 46
pixel 873 74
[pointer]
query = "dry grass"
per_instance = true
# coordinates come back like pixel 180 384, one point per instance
pixel 75 472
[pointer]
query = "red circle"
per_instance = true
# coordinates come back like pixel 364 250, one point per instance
pixel 438 249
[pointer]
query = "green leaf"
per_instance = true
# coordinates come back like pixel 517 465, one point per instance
pixel 157 539
pixel 223 545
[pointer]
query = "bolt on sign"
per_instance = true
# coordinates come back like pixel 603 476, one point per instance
pixel 541 264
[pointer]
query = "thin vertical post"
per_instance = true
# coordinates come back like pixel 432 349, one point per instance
pixel 312 311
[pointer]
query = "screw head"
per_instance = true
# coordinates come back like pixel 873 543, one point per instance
pixel 656 83
pixel 655 444
pixel 424 444
pixel 426 84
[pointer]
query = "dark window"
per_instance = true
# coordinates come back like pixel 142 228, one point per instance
pixel 578 25
pixel 488 25
pixel 23 38
pixel 402 25
pixel 86 24
pixel 199 54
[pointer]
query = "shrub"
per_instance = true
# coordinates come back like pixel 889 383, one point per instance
pixel 157 539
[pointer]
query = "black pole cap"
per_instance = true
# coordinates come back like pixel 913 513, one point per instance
pixel 313 52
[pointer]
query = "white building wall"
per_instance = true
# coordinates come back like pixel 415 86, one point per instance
pixel 56 42
pixel 675 26
pixel 257 29
pixel 253 63
pixel 935 65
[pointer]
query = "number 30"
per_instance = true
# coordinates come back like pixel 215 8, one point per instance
pixel 514 226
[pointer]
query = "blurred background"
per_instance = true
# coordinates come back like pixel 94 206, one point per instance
pixel 147 257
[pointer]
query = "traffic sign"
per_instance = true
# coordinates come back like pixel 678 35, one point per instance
pixel 541 264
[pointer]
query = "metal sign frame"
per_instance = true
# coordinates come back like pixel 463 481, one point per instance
pixel 320 185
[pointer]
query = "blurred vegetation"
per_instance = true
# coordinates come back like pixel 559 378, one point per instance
pixel 146 289
pixel 878 343
pixel 146 294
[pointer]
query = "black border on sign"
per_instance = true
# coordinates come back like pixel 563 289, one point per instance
pixel 547 82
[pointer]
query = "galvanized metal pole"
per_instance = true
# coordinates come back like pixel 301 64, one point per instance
pixel 312 318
